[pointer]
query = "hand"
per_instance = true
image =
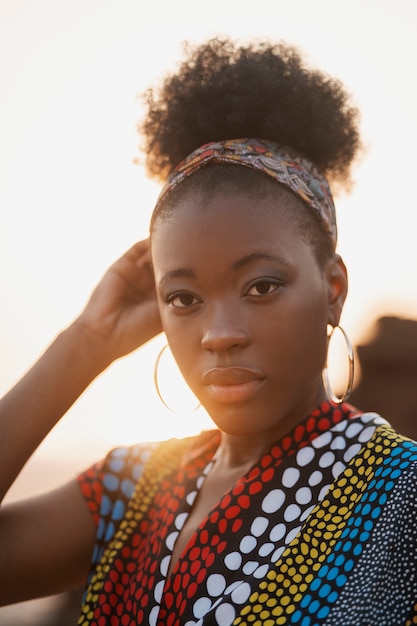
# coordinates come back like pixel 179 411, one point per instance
pixel 122 312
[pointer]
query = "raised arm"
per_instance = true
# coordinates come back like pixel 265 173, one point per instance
pixel 121 315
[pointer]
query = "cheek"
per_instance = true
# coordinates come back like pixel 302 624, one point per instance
pixel 298 337
pixel 181 342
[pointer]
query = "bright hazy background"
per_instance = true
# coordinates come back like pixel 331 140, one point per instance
pixel 72 200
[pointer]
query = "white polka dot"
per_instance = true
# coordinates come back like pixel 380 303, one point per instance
pixel 233 561
pixel 261 572
pixel 225 614
pixel 179 520
pixel 353 429
pixel 259 526
pixel 266 549
pixel 323 492
pixel 216 603
pixel 216 584
pixel 171 539
pixel 366 434
pixel 315 478
pixel 241 593
pixel 233 586
pixel 351 452
pixel 247 544
pixel 157 592
pixel 338 468
pixel 292 534
pixel 338 443
pixel 201 607
pixel 292 512
pixel 371 416
pixel 250 567
pixel 277 532
pixel 191 497
pixel 306 513
pixel 305 456
pixel 273 501
pixel 153 616
pixel 277 554
pixel 290 477
pixel 326 459
pixel 322 440
pixel 303 495
pixel 200 481
pixel 165 565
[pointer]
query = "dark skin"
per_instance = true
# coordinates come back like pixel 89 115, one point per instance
pixel 245 307
pixel 241 299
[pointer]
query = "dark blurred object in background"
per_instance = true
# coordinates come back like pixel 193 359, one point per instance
pixel 387 380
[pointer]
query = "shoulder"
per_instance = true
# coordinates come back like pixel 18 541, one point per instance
pixel 117 474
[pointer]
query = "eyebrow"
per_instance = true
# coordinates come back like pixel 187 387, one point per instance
pixel 184 272
pixel 258 256
pixel 179 273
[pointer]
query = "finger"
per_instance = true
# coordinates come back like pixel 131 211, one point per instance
pixel 140 250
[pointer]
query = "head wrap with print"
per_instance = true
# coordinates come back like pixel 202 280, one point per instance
pixel 279 162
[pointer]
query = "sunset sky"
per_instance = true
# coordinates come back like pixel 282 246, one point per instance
pixel 72 199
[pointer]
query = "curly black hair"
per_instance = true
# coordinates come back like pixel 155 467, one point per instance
pixel 222 90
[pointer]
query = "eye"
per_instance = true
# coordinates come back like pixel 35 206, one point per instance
pixel 182 300
pixel 263 287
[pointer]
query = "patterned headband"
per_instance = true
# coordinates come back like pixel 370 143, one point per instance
pixel 279 162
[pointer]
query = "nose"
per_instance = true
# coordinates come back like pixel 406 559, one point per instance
pixel 225 329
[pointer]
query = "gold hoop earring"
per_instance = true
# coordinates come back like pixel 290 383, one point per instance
pixel 326 382
pixel 156 381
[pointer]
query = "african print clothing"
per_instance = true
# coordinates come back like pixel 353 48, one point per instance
pixel 321 531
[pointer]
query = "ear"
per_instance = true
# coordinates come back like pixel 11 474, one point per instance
pixel 337 280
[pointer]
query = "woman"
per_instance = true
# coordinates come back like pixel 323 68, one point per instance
pixel 297 508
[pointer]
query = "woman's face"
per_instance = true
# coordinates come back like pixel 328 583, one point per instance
pixel 245 308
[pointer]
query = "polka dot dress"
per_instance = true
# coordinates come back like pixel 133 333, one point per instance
pixel 320 531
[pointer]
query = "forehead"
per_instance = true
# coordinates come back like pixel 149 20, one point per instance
pixel 227 225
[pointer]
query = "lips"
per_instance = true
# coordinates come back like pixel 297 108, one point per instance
pixel 232 384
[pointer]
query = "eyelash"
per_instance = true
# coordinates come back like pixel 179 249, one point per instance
pixel 193 300
pixel 181 294
pixel 264 281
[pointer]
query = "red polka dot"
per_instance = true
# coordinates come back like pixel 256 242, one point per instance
pixel 205 552
pixel 244 501
pixel 169 599
pixel 201 575
pixel 299 432
pixel 268 475
pixel 324 424
pixel 222 545
pixel 222 526
pixel 106 608
pixel 276 452
pixel 195 553
pixel 255 487
pixel 237 525
pixel 192 589
pixel 266 460
pixel 225 502
pixel 232 512
pixel 238 488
